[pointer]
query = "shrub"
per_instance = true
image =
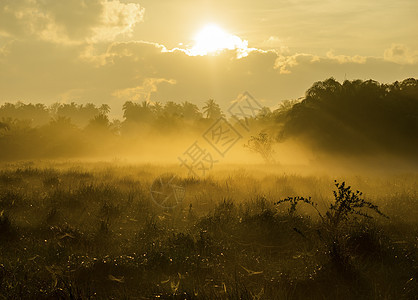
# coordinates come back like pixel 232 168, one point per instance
pixel 346 203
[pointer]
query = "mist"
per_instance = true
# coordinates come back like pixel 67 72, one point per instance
pixel 179 201
pixel 350 123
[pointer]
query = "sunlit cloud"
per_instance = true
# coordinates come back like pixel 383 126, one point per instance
pixel 401 54
pixel 275 43
pixel 284 63
pixel 117 19
pixel 346 58
pixel 212 40
pixel 142 92
pixel 74 23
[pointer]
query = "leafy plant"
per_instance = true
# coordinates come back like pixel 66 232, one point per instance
pixel 346 203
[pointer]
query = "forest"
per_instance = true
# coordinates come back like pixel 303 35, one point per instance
pixel 353 118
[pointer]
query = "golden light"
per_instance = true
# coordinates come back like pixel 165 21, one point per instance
pixel 213 39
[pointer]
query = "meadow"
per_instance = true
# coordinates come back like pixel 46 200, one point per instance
pixel 92 230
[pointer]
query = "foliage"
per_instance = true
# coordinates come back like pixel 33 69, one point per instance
pixel 263 145
pixel 212 110
pixel 346 203
pixel 356 117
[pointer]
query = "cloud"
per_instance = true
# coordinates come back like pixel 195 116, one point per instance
pixel 276 43
pixel 284 63
pixel 142 92
pixel 115 72
pixel 272 41
pixel 5 49
pixel 117 19
pixel 74 22
pixel 342 59
pixel 116 50
pixel 401 54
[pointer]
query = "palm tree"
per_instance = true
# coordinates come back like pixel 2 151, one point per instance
pixel 172 109
pixel 128 108
pixel 104 109
pixel 145 105
pixel 99 122
pixel 157 108
pixel 212 110
pixel 190 111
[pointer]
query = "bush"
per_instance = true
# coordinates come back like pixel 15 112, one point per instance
pixel 346 203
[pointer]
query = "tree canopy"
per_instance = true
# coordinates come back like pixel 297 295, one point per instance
pixel 350 118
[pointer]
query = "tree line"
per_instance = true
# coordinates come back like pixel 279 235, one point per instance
pixel 350 118
pixel 82 114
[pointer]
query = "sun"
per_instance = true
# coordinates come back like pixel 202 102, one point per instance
pixel 212 39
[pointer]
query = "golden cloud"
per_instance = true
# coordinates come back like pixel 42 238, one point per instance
pixel 117 19
pixel 284 63
pixel 342 59
pixel 72 22
pixel 401 54
pixel 142 92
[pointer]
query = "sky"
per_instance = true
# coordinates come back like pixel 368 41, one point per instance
pixel 115 51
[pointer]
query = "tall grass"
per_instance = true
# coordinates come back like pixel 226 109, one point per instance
pixel 92 231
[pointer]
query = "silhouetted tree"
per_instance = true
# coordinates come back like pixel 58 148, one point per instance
pixel 172 109
pixel 99 122
pixel 190 111
pixel 157 109
pixel 212 110
pixel 137 112
pixel 104 109
pixel 357 117
pixel 80 114
pixel 263 145
pixel 36 114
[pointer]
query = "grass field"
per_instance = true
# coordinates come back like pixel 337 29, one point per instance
pixel 77 230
